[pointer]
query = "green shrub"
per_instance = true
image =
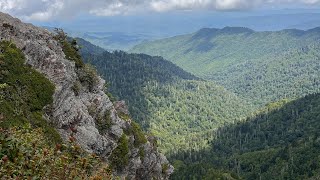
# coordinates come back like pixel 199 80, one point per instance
pixel 76 88
pixel 25 93
pixel 69 48
pixel 124 116
pixel 119 157
pixel 141 153
pixel 111 97
pixel 71 53
pixel 139 136
pixel 88 76
pixel 92 110
pixel 2 86
pixel 51 133
pixel 104 123
pixel 165 167
pixel 24 154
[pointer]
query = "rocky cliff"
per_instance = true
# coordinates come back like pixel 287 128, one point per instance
pixel 80 113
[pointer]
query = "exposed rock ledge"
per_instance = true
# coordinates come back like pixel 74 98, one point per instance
pixel 70 111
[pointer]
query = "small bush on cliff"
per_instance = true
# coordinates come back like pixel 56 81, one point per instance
pixel 124 116
pixel 104 122
pixel 76 87
pixel 139 136
pixel 87 73
pixel 119 157
pixel 141 153
pixel 69 49
pixel 165 167
pixel 88 76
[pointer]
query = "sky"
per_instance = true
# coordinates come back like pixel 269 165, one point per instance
pixel 64 10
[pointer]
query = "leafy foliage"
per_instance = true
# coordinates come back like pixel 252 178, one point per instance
pixel 120 157
pixel 88 77
pixel 24 93
pixel 139 137
pixel 69 49
pixel 104 122
pixel 25 154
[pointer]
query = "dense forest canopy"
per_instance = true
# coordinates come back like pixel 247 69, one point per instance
pixel 177 107
pixel 280 143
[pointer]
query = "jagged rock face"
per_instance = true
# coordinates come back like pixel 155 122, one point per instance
pixel 71 111
pixel 121 106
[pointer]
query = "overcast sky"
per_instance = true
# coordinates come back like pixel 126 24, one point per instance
pixel 46 10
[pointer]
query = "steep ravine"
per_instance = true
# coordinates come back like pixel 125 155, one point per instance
pixel 80 112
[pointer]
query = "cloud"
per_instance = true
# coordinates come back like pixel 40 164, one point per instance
pixel 42 10
pixel 32 9
pixel 166 5
pixel 121 7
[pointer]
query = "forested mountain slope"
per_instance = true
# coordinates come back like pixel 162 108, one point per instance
pixel 179 108
pixel 283 142
pixel 260 66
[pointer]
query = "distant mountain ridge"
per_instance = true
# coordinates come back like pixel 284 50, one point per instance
pixel 250 63
pixel 238 30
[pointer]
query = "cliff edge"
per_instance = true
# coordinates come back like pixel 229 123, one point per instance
pixel 81 108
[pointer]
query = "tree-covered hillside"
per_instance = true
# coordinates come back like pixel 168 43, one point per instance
pixel 179 108
pixel 260 66
pixel 283 142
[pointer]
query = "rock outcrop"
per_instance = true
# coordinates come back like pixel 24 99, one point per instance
pixel 78 114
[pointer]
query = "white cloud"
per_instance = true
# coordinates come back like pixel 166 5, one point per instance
pixel 32 9
pixel 48 12
pixel 164 5
pixel 47 9
pixel 120 7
